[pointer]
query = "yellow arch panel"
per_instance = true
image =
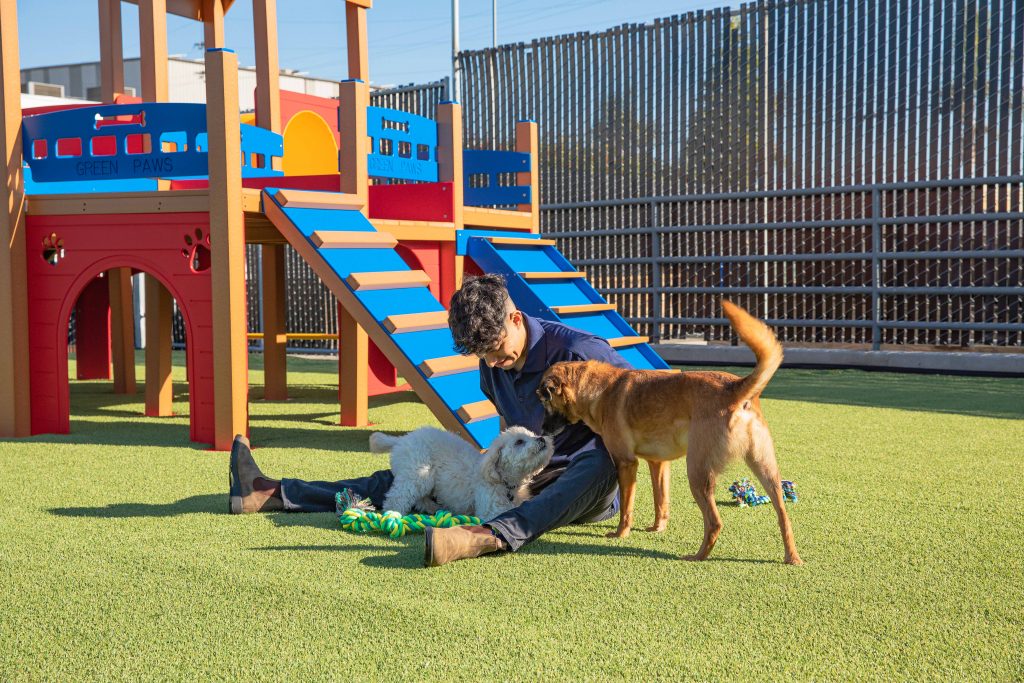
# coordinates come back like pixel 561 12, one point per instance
pixel 309 146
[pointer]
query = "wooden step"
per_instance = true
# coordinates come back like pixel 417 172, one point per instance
pixel 621 342
pixel 306 199
pixel 346 239
pixel 449 365
pixel 582 308
pixel 416 322
pixel 474 412
pixel 560 275
pixel 388 279
pixel 520 242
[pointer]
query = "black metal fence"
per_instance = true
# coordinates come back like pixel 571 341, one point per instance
pixel 849 169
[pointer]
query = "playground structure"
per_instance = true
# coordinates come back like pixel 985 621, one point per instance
pixel 387 207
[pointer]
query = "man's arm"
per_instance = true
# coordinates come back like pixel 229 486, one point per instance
pixel 485 387
pixel 595 348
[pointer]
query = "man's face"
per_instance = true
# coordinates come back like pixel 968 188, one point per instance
pixel 510 353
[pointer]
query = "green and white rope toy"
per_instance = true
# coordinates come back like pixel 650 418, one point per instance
pixel 358 516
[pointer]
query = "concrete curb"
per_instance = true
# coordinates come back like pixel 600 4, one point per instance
pixel 1007 364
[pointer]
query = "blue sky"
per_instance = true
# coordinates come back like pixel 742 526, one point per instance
pixel 410 40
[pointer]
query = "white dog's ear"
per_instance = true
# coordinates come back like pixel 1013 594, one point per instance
pixel 489 467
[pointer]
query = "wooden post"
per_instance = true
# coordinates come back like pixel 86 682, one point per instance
pixel 213 24
pixel 353 365
pixel 354 98
pixel 449 169
pixel 153 67
pixel 353 355
pixel 122 329
pixel 268 115
pixel 268 80
pixel 526 141
pixel 275 357
pixel 122 314
pixel 355 31
pixel 111 51
pixel 153 49
pixel 227 246
pixel 15 398
pixel 159 319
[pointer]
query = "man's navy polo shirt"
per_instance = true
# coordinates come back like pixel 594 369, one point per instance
pixel 514 393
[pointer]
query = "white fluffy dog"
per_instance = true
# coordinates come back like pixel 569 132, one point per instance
pixel 436 470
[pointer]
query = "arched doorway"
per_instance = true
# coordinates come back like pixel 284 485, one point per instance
pixel 161 245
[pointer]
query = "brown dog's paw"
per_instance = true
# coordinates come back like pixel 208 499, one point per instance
pixel 618 533
pixel 694 558
pixel 657 527
pixel 795 561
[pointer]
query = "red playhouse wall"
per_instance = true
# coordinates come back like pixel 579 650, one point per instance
pixel 412 202
pixel 92 331
pixel 158 244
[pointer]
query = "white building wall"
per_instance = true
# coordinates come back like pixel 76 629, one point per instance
pixel 186 81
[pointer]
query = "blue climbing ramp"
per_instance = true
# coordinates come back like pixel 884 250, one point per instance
pixel 544 284
pixel 389 300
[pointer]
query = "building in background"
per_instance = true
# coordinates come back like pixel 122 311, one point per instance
pixel 185 80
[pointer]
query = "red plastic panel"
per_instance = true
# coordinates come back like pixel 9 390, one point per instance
pixel 414 202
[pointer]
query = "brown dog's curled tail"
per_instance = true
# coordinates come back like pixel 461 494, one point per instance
pixel 765 346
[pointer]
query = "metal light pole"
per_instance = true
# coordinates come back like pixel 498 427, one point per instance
pixel 456 75
pixel 494 23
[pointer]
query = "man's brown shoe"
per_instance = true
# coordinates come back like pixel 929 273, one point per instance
pixel 243 473
pixel 442 546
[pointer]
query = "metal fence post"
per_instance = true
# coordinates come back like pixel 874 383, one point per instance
pixel 876 268
pixel 656 311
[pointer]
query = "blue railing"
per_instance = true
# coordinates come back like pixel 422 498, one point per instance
pixel 403 145
pixel 483 171
pixel 123 141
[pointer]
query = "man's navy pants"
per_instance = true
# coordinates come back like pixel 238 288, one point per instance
pixel 585 490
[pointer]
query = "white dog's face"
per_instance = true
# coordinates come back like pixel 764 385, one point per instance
pixel 516 454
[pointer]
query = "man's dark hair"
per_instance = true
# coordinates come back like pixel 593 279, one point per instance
pixel 476 314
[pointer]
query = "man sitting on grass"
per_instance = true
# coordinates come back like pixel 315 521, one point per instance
pixel 579 485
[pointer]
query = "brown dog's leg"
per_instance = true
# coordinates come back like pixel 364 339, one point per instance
pixel 702 486
pixel 660 476
pixel 761 461
pixel 627 487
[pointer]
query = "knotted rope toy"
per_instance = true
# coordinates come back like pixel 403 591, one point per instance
pixel 745 493
pixel 359 516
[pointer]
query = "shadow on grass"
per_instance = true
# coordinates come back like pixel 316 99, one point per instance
pixel 998 397
pixel 210 502
pixel 408 552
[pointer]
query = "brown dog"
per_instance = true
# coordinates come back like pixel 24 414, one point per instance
pixel 708 417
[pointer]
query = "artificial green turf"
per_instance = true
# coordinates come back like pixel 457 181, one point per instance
pixel 118 560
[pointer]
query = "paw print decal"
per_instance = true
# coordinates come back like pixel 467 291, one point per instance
pixel 197 251
pixel 53 249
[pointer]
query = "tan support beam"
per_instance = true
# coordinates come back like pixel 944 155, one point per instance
pixel 227 246
pixel 213 24
pixel 358 51
pixel 353 364
pixel 15 398
pixel 111 50
pixel 355 97
pixel 275 357
pixel 526 141
pixel 268 87
pixel 159 317
pixel 122 329
pixel 153 49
